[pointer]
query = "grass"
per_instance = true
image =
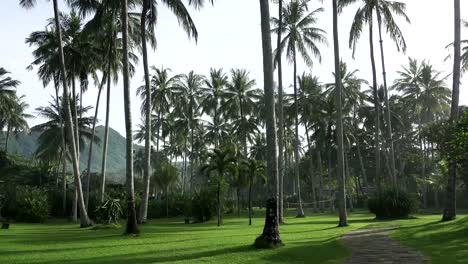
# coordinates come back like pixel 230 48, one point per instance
pixel 311 239
pixel 172 241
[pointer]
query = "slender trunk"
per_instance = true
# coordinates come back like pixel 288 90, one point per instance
pixel 280 111
pixel 132 227
pixel 106 136
pixel 311 169
pixel 218 199
pixel 69 123
pixel 75 117
pixel 361 163
pixel 450 201
pixel 74 215
pixel 238 200
pixel 147 163
pixel 244 133
pixel 423 169
pixel 387 105
pixel 377 109
pixel 91 143
pixel 191 161
pixel 348 184
pixel 300 210
pixel 167 202
pixel 320 168
pixel 250 202
pixel 343 221
pixel 184 170
pixel 64 186
pixel 7 138
pixel 271 235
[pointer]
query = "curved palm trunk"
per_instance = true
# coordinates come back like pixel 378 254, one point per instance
pixel 69 124
pixel 280 112
pixel 132 227
pixel 271 235
pixel 147 163
pixel 450 203
pixel 387 105
pixel 377 109
pixel 106 136
pixel 91 143
pixel 343 219
pixel 300 210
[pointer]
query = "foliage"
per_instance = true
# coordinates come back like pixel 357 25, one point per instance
pixel 392 204
pixel 109 211
pixel 204 205
pixel 26 204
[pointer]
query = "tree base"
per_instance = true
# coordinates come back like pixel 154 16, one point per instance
pixel 270 237
pixel 5 225
pixel 299 215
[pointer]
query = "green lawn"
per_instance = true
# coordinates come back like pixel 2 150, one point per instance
pixel 312 239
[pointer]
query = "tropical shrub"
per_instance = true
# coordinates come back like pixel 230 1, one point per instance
pixel 25 204
pixel 109 211
pixel 203 205
pixel 392 204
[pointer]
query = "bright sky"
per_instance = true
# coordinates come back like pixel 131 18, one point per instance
pixel 229 37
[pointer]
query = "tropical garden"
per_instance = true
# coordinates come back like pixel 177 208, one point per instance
pixel 223 167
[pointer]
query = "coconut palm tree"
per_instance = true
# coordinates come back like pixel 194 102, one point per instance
pixel 254 169
pixel 301 36
pixel 220 163
pixel 15 119
pixel 84 219
pixel 450 205
pixel 270 235
pixel 385 10
pixel 343 220
pixel 7 91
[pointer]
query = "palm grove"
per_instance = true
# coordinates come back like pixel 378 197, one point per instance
pixel 219 144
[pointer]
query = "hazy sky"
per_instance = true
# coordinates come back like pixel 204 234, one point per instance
pixel 229 37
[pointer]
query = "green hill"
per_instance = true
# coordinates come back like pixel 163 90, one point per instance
pixel 26 144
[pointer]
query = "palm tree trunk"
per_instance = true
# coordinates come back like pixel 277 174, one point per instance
pixel 377 109
pixel 106 136
pixel 387 105
pixel 238 200
pixel 343 221
pixel 361 163
pixel 250 202
pixel 300 210
pixel 167 201
pixel 191 160
pixel 147 163
pixel 320 168
pixel 348 184
pixel 311 169
pixel 218 199
pixel 75 117
pixel 91 143
pixel 69 124
pixel 450 201
pixel 270 236
pixel 184 170
pixel 7 138
pixel 280 110
pixel 132 227
pixel 64 184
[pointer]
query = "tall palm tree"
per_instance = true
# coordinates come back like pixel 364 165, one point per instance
pixel 132 227
pixel 84 219
pixel 343 221
pixel 15 119
pixel 384 10
pixel 301 36
pixel 270 235
pixel 255 169
pixel 450 205
pixel 7 91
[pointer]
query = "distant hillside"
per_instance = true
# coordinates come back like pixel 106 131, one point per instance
pixel 25 145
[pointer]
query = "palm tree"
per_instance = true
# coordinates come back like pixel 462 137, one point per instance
pixel 132 227
pixel 255 169
pixel 270 235
pixel 84 219
pixel 300 36
pixel 164 176
pixel 221 162
pixel 15 119
pixel 7 92
pixel 384 10
pixel 450 205
pixel 343 221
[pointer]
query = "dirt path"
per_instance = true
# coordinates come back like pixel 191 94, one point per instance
pixel 375 246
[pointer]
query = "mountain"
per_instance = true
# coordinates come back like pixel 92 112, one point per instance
pixel 26 144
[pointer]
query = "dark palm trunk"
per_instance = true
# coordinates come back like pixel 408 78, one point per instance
pixel 361 163
pixel 91 143
pixel 191 160
pixel 64 185
pixel 7 138
pixel 450 201
pixel 147 163
pixel 271 235
pixel 387 105
pixel 218 199
pixel 238 200
pixel 320 169
pixel 106 136
pixel 74 215
pixel 132 227
pixel 377 108
pixel 343 221
pixel 280 111
pixel 300 210
pixel 69 124
pixel 250 201
pixel 311 169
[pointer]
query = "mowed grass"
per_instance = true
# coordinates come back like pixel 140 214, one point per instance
pixel 313 239
pixel 171 241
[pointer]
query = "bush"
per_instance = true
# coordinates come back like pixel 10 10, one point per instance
pixel 26 204
pixel 392 204
pixel 203 205
pixel 109 212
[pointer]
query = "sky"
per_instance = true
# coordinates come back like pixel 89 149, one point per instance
pixel 230 37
